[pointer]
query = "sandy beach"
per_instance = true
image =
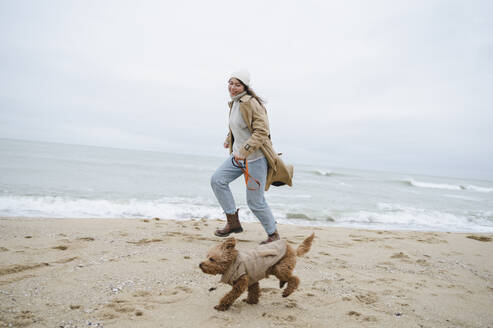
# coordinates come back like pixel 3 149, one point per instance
pixel 144 273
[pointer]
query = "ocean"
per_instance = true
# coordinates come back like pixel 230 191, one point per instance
pixel 48 180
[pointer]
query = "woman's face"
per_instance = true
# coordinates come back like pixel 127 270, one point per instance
pixel 235 87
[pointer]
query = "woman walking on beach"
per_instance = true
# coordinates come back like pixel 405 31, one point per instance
pixel 250 147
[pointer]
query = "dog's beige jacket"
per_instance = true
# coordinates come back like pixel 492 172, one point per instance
pixel 255 262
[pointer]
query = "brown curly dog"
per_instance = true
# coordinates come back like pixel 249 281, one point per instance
pixel 243 269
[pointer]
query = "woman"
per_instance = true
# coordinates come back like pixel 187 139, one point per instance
pixel 248 139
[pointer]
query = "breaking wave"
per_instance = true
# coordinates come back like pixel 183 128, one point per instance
pixel 393 216
pixel 68 207
pixel 432 185
pixel 328 173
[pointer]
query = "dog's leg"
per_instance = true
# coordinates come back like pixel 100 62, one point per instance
pixel 283 270
pixel 293 283
pixel 239 287
pixel 253 294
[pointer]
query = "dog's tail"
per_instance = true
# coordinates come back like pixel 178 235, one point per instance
pixel 305 245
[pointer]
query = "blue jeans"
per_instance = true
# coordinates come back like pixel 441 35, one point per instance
pixel 227 173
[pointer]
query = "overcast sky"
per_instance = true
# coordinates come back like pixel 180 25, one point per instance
pixel 404 86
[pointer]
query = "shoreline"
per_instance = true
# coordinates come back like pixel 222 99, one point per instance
pixel 144 273
pixel 295 222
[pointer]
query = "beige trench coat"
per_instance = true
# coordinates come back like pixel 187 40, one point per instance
pixel 255 117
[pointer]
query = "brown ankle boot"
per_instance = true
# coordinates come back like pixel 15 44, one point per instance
pixel 272 237
pixel 232 225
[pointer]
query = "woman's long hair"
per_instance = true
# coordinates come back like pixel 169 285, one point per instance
pixel 252 93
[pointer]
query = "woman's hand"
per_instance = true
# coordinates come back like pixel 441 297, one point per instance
pixel 226 145
pixel 239 158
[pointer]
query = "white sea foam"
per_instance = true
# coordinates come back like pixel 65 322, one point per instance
pixel 410 219
pixel 479 189
pixel 394 216
pixel 169 208
pixel 433 185
pixel 281 195
pixel 399 216
pixel 387 216
pixel 463 197
pixel 60 207
pixel 323 173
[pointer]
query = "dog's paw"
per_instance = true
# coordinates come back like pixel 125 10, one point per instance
pixel 246 300
pixel 286 293
pixel 221 307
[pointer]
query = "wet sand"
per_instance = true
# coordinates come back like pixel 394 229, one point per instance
pixel 144 273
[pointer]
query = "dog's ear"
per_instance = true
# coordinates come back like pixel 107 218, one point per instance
pixel 229 243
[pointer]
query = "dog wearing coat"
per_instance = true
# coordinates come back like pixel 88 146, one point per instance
pixel 244 269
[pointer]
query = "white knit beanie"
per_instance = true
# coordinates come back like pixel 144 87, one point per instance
pixel 243 76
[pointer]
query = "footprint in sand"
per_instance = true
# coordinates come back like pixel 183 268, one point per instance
pixel 175 295
pixel 16 279
pixel 386 265
pixel 279 319
pixel 19 268
pixel 173 233
pixel 401 256
pixel 430 238
pixel 367 298
pixel 86 239
pixel 141 293
pixel 23 318
pixel 118 307
pixel 360 317
pixel 145 241
pixel 359 238
pixel 66 260
pixel 143 299
pixel 339 244
pixel 245 241
pixel 321 285
pixel 301 237
pixel 220 321
pixel 269 291
pixel 337 262
pixel 291 304
pixel 369 318
pixel 323 282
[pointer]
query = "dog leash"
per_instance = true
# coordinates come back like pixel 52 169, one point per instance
pixel 244 169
